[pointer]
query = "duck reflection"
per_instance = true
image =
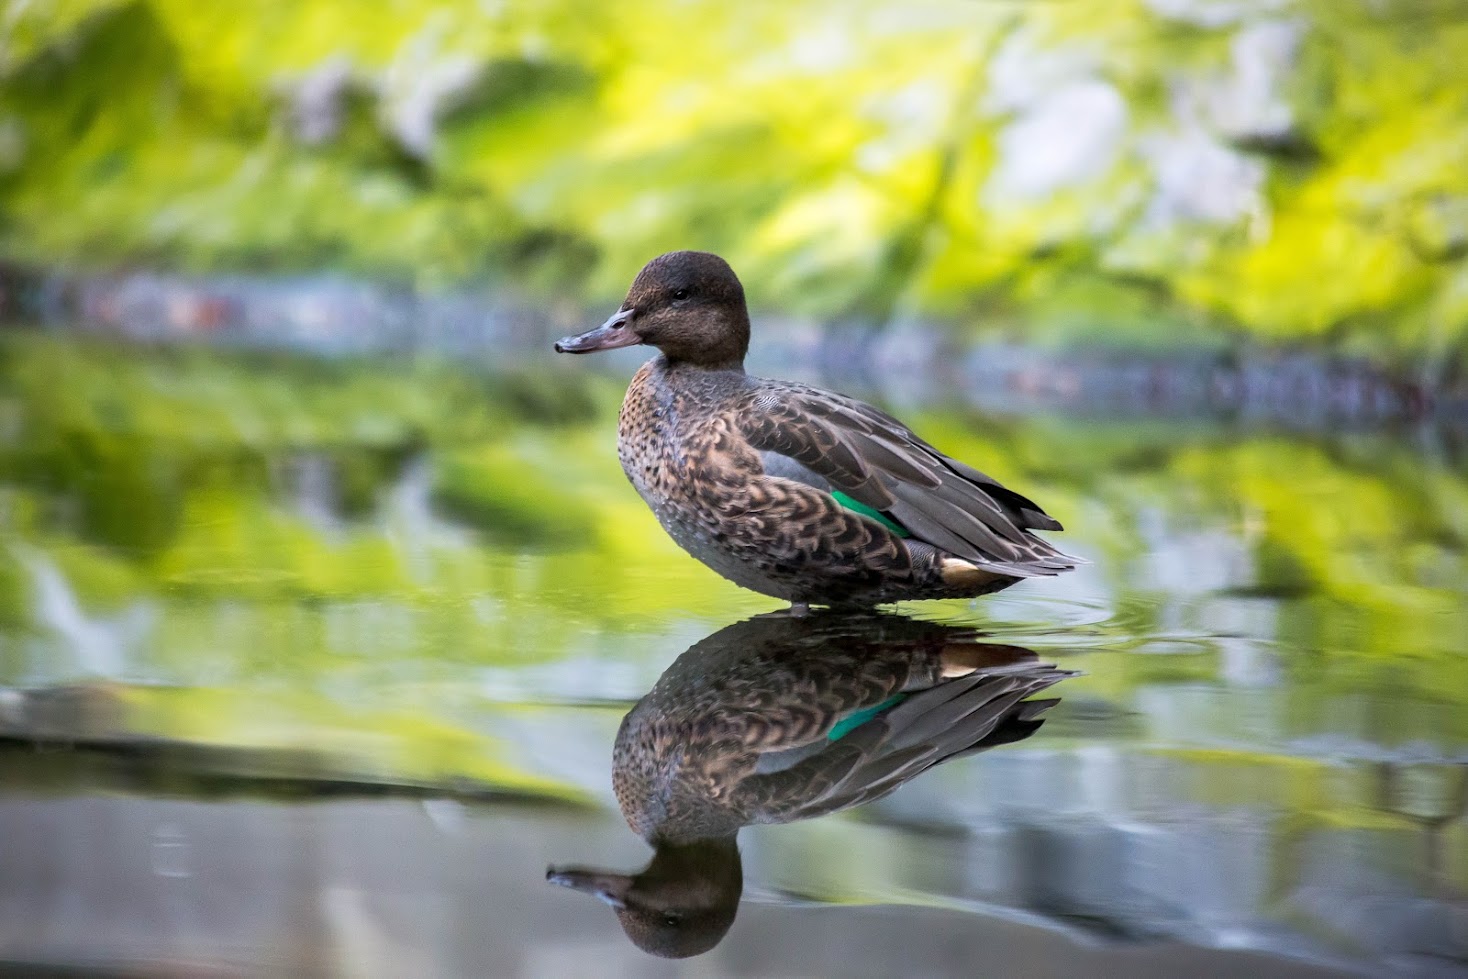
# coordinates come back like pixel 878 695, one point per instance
pixel 780 718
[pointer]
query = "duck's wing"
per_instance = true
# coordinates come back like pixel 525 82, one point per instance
pixel 870 457
pixel 952 720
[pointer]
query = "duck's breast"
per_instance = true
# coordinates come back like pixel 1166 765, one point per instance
pixel 676 444
pixel 647 436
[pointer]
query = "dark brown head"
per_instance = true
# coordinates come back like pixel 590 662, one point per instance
pixel 681 904
pixel 689 305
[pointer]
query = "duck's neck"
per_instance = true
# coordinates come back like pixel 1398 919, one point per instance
pixel 714 860
pixel 681 365
pixel 726 367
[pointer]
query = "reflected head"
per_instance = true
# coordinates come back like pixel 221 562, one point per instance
pixel 682 904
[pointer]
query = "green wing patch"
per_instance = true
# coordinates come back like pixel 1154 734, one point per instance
pixel 867 511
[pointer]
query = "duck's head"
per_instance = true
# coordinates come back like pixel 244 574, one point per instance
pixel 681 904
pixel 689 305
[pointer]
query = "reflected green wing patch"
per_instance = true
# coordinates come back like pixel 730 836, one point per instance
pixel 851 722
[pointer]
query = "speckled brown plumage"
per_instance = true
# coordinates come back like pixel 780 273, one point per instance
pixel 683 448
pixel 741 470
pixel 737 730
pixel 781 718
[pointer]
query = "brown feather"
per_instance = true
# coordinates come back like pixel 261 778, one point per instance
pixel 744 473
pixel 879 462
pixel 737 730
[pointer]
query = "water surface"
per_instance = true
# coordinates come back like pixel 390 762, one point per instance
pixel 230 585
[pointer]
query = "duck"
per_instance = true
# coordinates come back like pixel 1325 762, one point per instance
pixel 789 490
pixel 781 718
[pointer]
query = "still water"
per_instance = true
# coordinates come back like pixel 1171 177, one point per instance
pixel 319 667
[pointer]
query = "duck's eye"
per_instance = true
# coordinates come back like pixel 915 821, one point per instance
pixel 680 295
pixel 671 920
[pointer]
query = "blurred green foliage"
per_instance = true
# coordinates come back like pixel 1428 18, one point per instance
pixel 353 562
pixel 1280 170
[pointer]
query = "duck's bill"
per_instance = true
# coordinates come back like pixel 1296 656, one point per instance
pixel 608 887
pixel 615 332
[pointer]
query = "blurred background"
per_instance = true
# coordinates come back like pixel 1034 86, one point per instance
pixel 1158 175
pixel 322 593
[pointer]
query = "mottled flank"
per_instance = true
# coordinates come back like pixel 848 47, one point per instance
pixel 744 472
